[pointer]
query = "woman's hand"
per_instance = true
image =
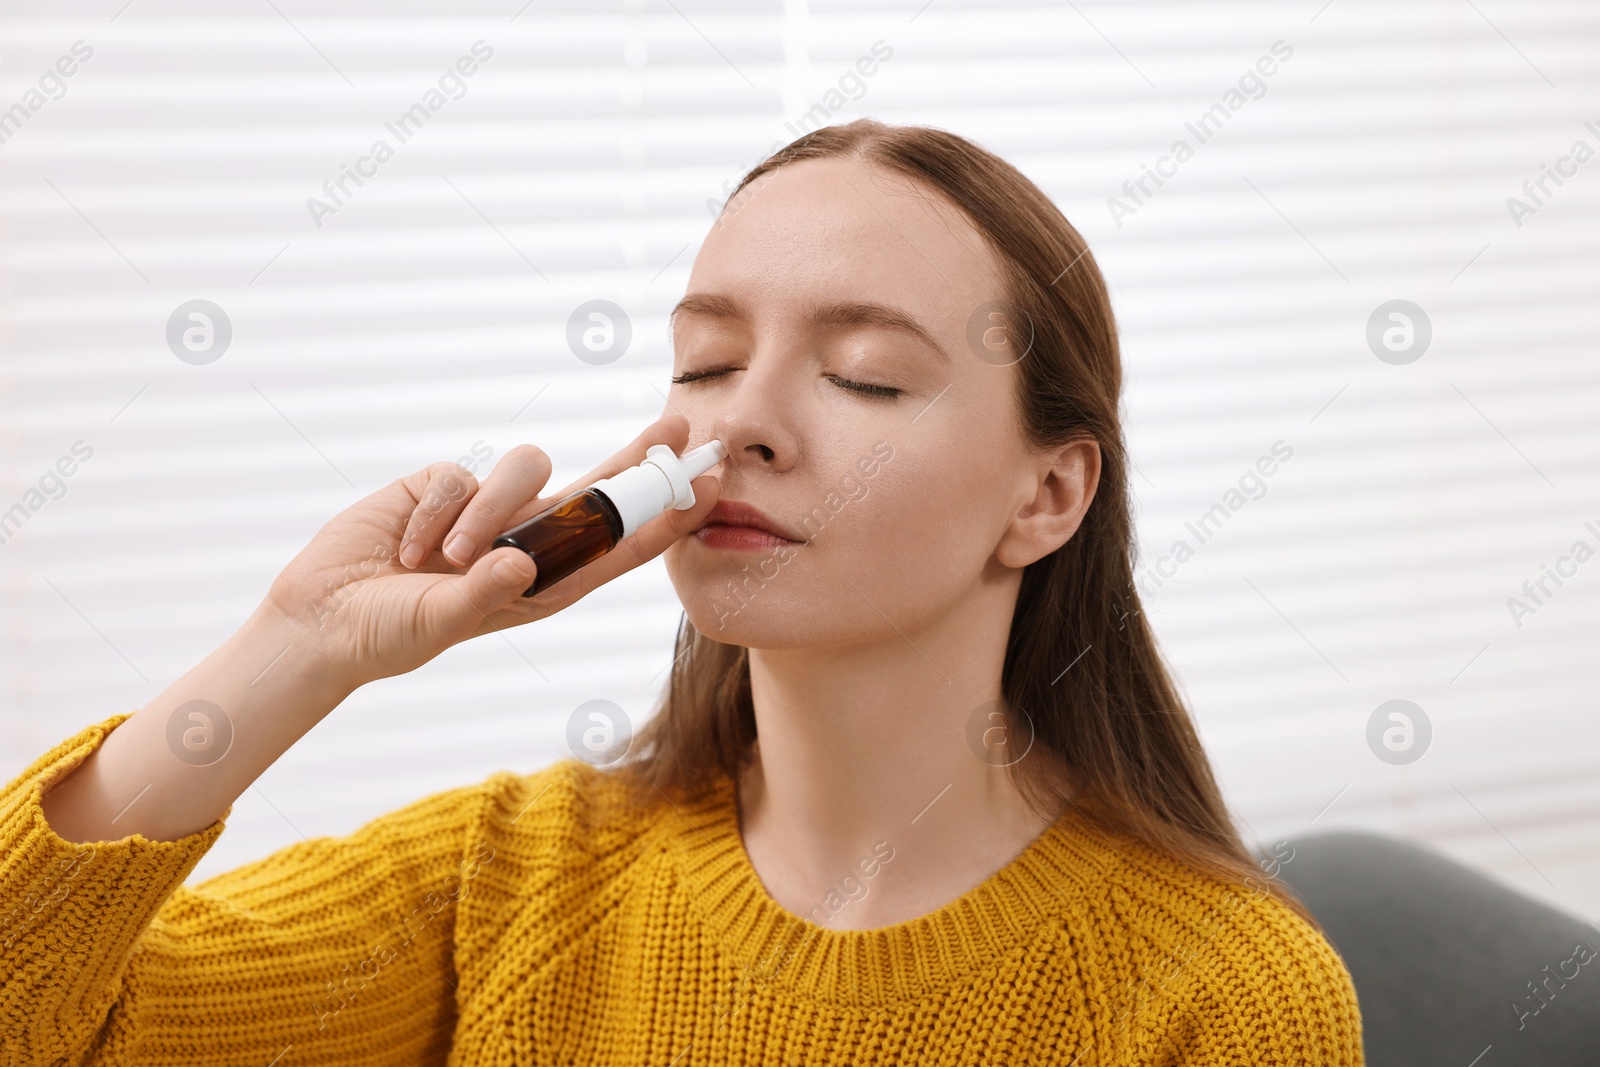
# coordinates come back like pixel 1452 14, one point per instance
pixel 381 598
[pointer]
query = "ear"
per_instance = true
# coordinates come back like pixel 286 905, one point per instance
pixel 1064 487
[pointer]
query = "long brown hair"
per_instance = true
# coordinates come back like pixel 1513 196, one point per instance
pixel 1113 737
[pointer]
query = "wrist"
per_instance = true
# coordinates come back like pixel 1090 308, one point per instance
pixel 293 655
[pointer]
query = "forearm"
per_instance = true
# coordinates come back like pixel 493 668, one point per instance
pixel 177 764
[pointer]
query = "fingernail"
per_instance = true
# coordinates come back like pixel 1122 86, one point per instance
pixel 459 549
pixel 411 554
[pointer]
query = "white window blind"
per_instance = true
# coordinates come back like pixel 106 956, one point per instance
pixel 1353 528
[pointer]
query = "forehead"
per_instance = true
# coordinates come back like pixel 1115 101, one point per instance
pixel 833 231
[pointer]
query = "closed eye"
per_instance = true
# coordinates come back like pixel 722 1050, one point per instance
pixel 886 391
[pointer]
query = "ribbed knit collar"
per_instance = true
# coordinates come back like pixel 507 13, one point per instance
pixel 889 964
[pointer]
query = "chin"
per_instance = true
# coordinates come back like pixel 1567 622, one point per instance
pixel 723 592
pixel 758 621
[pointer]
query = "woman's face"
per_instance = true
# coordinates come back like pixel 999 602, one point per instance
pixel 900 500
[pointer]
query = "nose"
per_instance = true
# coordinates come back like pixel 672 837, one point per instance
pixel 752 429
pixel 754 415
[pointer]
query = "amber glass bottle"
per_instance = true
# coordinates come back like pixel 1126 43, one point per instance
pixel 576 530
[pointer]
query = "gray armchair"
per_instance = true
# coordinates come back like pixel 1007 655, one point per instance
pixel 1451 968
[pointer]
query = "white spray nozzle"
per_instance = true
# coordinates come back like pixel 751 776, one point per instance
pixel 662 481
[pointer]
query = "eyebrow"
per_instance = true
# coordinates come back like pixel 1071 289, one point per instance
pixel 845 313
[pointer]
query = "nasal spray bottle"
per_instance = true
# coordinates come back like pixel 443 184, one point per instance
pixel 583 526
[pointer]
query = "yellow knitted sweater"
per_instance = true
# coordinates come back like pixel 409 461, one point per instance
pixel 527 920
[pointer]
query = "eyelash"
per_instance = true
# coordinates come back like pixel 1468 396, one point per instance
pixel 884 391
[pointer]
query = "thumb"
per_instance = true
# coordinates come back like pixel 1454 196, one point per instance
pixel 495 580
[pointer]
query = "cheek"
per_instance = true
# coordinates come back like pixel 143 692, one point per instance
pixel 914 511
pixel 673 557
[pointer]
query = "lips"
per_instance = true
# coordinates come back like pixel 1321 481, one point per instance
pixel 735 513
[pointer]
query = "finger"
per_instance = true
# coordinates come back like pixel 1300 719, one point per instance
pixel 458 606
pixel 515 480
pixel 445 491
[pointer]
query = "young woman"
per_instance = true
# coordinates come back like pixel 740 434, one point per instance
pixel 920 789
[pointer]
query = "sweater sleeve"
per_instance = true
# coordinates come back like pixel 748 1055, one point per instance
pixel 328 951
pixel 1268 992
